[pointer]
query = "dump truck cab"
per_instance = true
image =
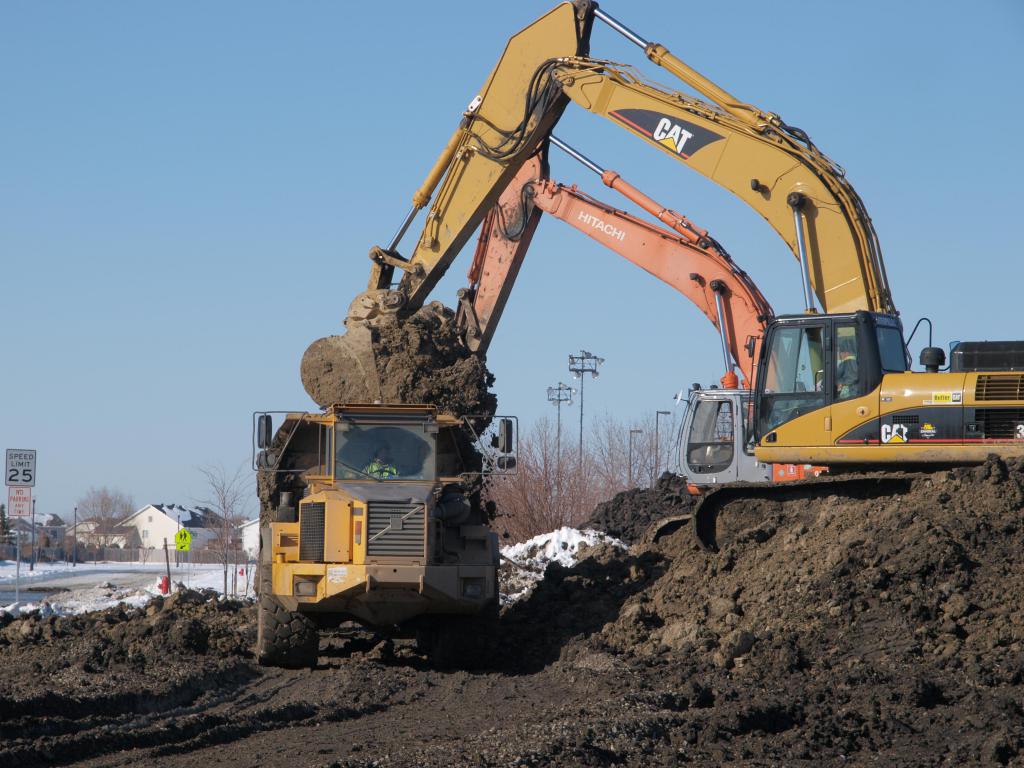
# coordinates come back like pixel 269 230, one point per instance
pixel 372 513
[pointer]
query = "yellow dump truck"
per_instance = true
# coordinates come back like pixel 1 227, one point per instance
pixel 372 513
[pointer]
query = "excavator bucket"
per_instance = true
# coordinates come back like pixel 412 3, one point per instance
pixel 414 359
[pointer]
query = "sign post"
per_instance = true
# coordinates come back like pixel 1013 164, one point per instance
pixel 20 478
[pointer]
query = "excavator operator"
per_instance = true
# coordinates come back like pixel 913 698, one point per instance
pixel 847 373
pixel 381 466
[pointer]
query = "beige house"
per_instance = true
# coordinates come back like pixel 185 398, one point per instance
pixel 156 522
pixel 93 533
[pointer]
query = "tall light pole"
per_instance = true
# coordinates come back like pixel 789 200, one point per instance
pixel 580 365
pixel 556 396
pixel 74 542
pixel 631 433
pixel 657 444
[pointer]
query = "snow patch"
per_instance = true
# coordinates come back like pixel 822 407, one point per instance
pixel 524 563
pixel 103 592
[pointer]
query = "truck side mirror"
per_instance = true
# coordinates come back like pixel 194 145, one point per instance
pixel 264 431
pixel 506 438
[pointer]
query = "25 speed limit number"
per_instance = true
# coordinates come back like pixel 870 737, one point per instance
pixel 21 467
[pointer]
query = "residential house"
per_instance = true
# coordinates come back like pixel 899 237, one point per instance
pixel 102 533
pixel 249 532
pixel 156 522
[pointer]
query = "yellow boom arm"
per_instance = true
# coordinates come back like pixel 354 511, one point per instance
pixel 771 166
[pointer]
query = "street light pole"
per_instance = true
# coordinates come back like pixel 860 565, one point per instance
pixel 74 541
pixel 657 444
pixel 580 365
pixel 631 433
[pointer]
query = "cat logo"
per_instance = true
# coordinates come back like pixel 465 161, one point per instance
pixel 678 136
pixel 671 135
pixel 895 433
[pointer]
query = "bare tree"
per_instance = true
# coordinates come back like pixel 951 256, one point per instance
pixel 105 508
pixel 227 496
pixel 546 493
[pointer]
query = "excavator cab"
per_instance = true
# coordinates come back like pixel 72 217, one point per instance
pixel 716 438
pixel 818 372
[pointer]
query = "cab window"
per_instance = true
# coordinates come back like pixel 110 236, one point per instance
pixel 891 349
pixel 794 380
pixel 710 443
pixel 846 376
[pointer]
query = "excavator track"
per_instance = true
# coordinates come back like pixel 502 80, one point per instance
pixel 716 530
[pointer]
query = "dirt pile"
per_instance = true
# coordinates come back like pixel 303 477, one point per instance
pixel 850 628
pixel 832 628
pixel 65 679
pixel 630 513
pixel 419 359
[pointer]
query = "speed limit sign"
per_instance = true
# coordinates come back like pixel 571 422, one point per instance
pixel 21 467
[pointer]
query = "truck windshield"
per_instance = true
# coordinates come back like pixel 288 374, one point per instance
pixel 392 452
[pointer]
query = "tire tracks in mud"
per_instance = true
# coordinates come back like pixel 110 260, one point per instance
pixel 231 707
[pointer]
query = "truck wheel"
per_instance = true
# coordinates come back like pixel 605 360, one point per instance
pixel 283 638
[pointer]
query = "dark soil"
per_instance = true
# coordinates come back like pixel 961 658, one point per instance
pixel 837 629
pixel 628 514
pixel 419 359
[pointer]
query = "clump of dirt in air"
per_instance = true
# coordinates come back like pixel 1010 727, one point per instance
pixel 418 359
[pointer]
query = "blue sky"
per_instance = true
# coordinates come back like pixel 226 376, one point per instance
pixel 188 191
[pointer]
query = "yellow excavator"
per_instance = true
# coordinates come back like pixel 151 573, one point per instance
pixel 832 386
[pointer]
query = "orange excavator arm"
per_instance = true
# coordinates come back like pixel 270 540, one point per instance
pixel 684 257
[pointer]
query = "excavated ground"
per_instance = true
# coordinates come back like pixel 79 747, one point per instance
pixel 833 630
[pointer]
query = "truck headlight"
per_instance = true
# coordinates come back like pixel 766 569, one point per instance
pixel 305 586
pixel 473 587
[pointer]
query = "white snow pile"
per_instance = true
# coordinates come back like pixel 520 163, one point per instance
pixel 95 586
pixel 96 598
pixel 523 564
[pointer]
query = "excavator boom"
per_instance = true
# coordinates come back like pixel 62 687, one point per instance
pixel 773 167
pixel 686 257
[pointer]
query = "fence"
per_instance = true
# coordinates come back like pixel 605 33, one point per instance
pixel 91 554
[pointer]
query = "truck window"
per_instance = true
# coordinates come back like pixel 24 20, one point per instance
pixel 366 451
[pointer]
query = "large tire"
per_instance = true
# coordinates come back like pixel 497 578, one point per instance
pixel 283 638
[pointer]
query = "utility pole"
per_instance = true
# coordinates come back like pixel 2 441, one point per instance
pixel 556 396
pixel 580 365
pixel 657 445
pixel 74 542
